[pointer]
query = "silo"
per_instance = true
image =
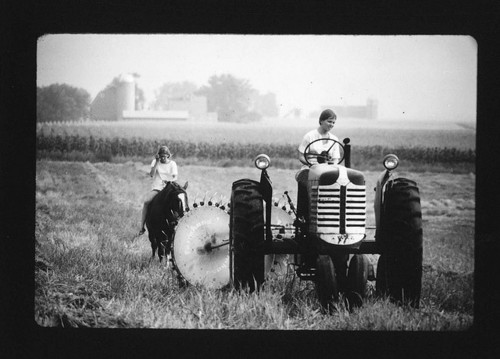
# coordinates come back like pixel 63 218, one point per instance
pixel 125 95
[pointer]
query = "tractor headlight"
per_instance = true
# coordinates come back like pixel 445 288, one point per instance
pixel 262 161
pixel 391 162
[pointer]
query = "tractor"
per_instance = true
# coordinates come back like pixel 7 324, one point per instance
pixel 325 237
pixel 329 239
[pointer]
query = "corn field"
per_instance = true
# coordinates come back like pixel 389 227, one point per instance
pixel 106 148
pixel 392 134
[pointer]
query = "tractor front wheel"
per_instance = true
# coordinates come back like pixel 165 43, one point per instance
pixel 326 283
pixel 357 274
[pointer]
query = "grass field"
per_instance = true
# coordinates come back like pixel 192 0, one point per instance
pixel 90 273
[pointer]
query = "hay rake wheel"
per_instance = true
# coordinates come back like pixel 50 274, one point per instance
pixel 200 250
pixel 201 242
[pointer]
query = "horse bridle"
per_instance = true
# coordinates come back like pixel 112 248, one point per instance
pixel 181 204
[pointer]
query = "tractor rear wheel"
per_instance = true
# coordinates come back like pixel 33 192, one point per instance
pixel 401 242
pixel 246 234
pixel 326 283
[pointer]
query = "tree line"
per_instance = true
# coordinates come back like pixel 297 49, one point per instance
pixel 233 99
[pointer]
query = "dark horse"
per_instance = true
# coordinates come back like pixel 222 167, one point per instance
pixel 163 213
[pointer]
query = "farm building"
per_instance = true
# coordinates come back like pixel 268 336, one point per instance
pixel 116 103
pixel 369 111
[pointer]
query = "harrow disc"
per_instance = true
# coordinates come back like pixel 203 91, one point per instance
pixel 201 247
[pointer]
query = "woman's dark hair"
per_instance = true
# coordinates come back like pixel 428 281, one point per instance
pixel 163 150
pixel 327 114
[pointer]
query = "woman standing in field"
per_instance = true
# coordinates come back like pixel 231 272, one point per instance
pixel 163 170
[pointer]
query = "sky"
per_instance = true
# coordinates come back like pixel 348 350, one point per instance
pixel 424 77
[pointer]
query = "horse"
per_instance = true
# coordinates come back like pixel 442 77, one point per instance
pixel 163 213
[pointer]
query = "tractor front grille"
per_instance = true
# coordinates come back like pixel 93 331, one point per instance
pixel 338 209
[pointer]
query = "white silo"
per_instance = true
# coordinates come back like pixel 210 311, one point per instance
pixel 125 95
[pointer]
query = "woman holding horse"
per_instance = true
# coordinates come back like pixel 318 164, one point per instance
pixel 163 170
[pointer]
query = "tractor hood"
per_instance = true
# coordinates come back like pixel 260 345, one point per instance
pixel 326 174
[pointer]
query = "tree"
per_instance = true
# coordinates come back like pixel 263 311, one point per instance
pixel 61 102
pixel 231 98
pixel 266 105
pixel 170 91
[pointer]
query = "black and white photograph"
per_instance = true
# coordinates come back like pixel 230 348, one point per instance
pixel 255 182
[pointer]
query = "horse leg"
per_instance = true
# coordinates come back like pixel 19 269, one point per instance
pixel 154 244
pixel 160 240
pixel 168 245
pixel 161 250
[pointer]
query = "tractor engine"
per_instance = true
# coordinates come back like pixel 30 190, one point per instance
pixel 337 205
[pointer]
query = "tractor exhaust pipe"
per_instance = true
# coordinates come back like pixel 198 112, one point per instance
pixel 347 152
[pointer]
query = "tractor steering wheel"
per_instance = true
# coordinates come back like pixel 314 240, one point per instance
pixel 323 155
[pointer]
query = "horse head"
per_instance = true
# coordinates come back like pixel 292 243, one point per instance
pixel 177 202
